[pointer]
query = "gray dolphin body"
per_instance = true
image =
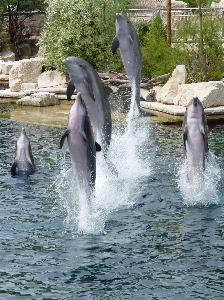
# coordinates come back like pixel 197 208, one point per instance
pixel 81 144
pixel 86 80
pixel 24 161
pixel 128 42
pixel 195 138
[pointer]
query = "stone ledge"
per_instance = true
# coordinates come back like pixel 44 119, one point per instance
pixel 8 94
pixel 178 110
pixel 4 77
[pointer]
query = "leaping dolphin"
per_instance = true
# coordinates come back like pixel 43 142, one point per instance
pixel 128 42
pixel 24 161
pixel 195 139
pixel 86 80
pixel 81 144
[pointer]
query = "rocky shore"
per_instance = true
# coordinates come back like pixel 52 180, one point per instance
pixel 30 86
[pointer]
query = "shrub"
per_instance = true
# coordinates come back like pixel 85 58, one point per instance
pixel 208 65
pixel 157 57
pixel 80 28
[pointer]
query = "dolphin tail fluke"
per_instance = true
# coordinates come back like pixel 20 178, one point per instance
pixel 13 167
pixel 70 90
pixel 64 136
pixel 115 45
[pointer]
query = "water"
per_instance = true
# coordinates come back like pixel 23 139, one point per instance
pixel 139 238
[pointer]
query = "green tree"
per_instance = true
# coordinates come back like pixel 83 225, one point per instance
pixel 12 9
pixel 81 28
pixel 157 57
pixel 204 3
pixel 187 39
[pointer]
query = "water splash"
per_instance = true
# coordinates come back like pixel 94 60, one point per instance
pixel 88 214
pixel 200 192
pixel 134 111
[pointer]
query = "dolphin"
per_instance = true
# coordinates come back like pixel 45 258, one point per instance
pixel 195 139
pixel 24 161
pixel 128 42
pixel 81 144
pixel 86 80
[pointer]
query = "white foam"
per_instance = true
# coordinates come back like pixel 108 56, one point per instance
pixel 88 215
pixel 200 192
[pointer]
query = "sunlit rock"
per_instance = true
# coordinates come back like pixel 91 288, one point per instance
pixel 51 78
pixel 24 71
pixel 39 99
pixel 210 93
pixel 170 89
pixel 6 67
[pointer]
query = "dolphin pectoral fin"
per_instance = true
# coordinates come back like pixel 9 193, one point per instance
pixel 31 160
pixel 64 136
pixel 70 90
pixel 98 147
pixel 86 139
pixel 13 167
pixel 185 132
pixel 115 45
pixel 90 90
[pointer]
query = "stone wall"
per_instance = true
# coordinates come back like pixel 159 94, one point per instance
pixel 29 30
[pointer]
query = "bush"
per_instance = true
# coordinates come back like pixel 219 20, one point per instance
pixel 208 65
pixel 80 28
pixel 157 57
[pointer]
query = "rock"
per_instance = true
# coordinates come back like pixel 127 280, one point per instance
pixel 51 78
pixel 156 90
pixel 6 67
pixel 210 93
pixel 39 99
pixel 219 4
pixel 176 4
pixel 8 55
pixel 24 71
pixel 147 95
pixel 170 89
pixel 28 86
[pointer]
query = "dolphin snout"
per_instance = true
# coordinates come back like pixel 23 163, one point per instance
pixel 195 101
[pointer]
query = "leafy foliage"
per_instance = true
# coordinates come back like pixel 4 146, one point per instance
pixel 208 65
pixel 204 3
pixel 157 57
pixel 80 28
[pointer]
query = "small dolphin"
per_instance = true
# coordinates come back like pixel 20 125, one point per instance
pixel 81 144
pixel 86 80
pixel 24 161
pixel 128 42
pixel 195 139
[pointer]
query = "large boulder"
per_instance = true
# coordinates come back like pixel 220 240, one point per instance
pixel 170 89
pixel 210 93
pixel 39 99
pixel 51 78
pixel 24 71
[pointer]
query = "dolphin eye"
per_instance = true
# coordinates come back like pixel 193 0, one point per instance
pixel 128 22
